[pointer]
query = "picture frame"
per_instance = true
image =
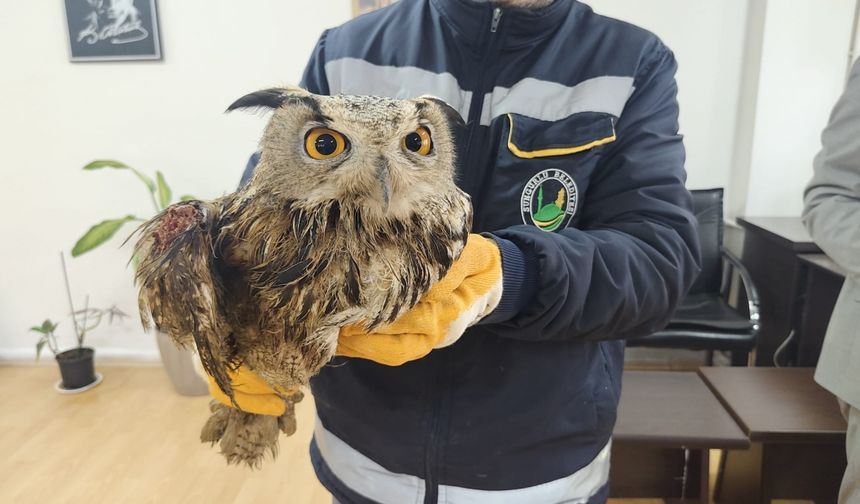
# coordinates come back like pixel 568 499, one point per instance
pixel 112 30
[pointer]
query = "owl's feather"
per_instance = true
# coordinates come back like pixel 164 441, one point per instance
pixel 180 290
pixel 266 276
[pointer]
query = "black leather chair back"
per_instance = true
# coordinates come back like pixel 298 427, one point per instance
pixel 708 208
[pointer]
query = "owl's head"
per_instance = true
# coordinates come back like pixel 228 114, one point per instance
pixel 381 154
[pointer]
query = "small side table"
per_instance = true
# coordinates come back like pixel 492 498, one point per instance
pixel 796 430
pixel 667 422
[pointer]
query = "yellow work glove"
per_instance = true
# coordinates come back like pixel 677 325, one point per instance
pixel 252 393
pixel 470 290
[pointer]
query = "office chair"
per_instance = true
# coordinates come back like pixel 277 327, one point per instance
pixel 705 320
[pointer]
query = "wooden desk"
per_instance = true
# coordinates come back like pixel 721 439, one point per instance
pixel 770 250
pixel 797 431
pixel 667 421
pixel 822 283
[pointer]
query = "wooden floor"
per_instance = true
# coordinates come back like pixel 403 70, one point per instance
pixel 132 439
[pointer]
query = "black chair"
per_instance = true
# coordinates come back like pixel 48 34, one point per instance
pixel 705 320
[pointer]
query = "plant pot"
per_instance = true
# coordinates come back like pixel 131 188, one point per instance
pixel 76 367
pixel 179 364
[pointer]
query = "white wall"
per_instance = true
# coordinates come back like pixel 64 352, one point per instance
pixel 744 136
pixel 707 38
pixel 856 29
pixel 802 74
pixel 165 115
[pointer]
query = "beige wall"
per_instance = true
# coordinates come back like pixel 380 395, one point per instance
pixel 707 38
pixel 804 54
pixel 167 115
pixel 57 116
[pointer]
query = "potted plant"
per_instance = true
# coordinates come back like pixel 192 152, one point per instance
pixel 177 361
pixel 158 191
pixel 76 364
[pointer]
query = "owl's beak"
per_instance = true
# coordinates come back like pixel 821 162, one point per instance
pixel 383 175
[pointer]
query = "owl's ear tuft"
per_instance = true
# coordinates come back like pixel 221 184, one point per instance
pixel 271 98
pixel 455 120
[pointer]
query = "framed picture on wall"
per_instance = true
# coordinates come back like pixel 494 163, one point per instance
pixel 360 7
pixel 112 30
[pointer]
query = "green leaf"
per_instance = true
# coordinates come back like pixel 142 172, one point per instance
pixel 187 197
pixel 48 326
pixel 106 163
pixel 39 346
pixel 98 234
pixel 164 192
pixel 146 180
pixel 110 163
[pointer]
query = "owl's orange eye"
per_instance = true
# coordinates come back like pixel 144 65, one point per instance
pixel 324 143
pixel 418 141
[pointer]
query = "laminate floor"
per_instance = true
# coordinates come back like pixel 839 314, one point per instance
pixel 133 440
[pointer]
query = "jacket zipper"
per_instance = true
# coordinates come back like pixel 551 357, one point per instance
pixel 497 16
pixel 431 486
pixel 431 458
pixel 477 106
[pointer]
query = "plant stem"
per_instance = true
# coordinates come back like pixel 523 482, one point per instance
pixel 84 325
pixel 69 293
pixel 52 344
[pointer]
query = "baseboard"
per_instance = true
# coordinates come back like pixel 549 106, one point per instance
pixel 28 355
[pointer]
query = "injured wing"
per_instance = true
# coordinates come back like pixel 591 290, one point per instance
pixel 179 287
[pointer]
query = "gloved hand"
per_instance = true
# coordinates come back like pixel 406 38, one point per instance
pixel 253 394
pixel 468 292
pixel 247 434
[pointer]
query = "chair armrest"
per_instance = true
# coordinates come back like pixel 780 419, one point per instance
pixel 749 287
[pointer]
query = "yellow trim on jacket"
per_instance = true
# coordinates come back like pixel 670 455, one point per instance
pixel 555 151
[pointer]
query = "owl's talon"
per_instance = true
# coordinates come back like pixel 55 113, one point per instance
pixel 294 396
pixel 246 437
pixel 215 426
pixel 287 421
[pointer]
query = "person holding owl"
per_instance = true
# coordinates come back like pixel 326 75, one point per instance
pixel 502 384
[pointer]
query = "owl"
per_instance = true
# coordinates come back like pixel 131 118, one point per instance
pixel 352 214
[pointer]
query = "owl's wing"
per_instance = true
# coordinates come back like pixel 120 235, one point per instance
pixel 180 289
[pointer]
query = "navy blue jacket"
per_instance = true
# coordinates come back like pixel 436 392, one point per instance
pixel 575 165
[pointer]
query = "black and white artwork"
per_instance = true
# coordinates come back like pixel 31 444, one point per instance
pixel 101 30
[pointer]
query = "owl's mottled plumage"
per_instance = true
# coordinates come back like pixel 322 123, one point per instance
pixel 267 275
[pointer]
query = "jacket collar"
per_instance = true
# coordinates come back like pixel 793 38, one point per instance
pixel 471 20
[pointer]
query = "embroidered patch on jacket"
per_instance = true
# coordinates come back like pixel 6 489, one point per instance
pixel 549 200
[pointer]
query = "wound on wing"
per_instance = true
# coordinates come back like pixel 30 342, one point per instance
pixel 177 219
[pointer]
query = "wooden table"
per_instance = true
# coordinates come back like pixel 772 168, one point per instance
pixel 796 430
pixel 667 421
pixel 770 253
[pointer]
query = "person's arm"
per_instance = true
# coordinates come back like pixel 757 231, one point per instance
pixel 623 272
pixel 832 198
pixel 314 78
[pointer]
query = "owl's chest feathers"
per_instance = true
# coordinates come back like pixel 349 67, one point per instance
pixel 336 264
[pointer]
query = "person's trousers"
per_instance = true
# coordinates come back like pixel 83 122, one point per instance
pixel 849 493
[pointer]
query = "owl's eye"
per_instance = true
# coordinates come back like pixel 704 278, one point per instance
pixel 324 143
pixel 418 141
